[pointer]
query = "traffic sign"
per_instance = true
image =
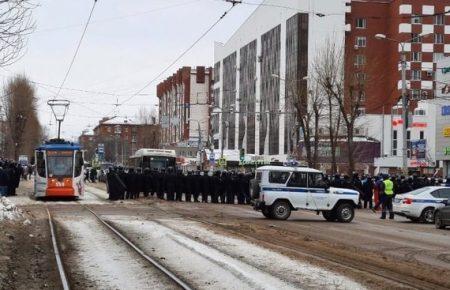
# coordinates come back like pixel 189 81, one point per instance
pixel 222 162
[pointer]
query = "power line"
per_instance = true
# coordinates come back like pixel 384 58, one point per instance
pixel 117 17
pixel 77 49
pixel 179 57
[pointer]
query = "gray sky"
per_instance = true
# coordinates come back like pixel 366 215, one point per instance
pixel 127 44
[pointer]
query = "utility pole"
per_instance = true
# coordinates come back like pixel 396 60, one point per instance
pixel 404 112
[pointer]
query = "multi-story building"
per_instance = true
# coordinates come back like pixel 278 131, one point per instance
pixel 420 30
pixel 119 138
pixel 275 46
pixel 184 106
pixel 425 30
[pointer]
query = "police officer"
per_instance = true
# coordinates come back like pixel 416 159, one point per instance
pixel 388 191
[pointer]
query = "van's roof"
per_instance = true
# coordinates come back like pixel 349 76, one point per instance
pixel 287 168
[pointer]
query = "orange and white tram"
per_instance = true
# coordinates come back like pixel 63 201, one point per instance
pixel 59 170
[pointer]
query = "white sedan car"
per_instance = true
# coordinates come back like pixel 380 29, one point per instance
pixel 420 204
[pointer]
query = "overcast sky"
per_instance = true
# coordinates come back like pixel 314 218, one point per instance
pixel 127 44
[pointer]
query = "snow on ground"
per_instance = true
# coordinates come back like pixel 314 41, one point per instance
pixel 8 210
pixel 106 261
pixel 212 261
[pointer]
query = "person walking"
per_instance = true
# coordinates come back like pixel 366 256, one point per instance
pixel 367 190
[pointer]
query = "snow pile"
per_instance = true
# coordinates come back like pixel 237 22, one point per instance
pixel 8 210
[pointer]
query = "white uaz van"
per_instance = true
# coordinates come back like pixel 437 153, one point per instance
pixel 277 190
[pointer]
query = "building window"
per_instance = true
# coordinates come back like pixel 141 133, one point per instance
pixel 361 23
pixel 416 75
pixel 416 19
pixel 361 111
pixel 360 77
pixel 108 129
pixel 438 38
pixel 394 143
pixel 416 56
pixel 360 60
pixel 437 56
pixel 439 19
pixel 361 41
pixel 416 38
pixel 415 95
pixel 422 135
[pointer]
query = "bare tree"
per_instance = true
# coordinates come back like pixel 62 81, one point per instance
pixel 146 116
pixel 308 108
pixel 330 77
pixel 15 24
pixel 23 128
pixel 344 82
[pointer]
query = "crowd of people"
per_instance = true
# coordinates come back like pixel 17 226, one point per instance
pixel 231 187
pixel 220 187
pixel 382 188
pixel 10 173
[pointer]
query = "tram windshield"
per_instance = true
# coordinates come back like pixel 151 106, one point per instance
pixel 60 163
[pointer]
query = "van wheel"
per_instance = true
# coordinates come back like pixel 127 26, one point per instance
pixel 438 221
pixel 329 215
pixel 345 213
pixel 281 210
pixel 427 215
pixel 266 211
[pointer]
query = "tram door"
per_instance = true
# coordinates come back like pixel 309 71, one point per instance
pixel 40 174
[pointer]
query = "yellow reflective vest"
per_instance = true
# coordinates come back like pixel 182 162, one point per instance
pixel 388 187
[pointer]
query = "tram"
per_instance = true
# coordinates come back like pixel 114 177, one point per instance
pixel 59 170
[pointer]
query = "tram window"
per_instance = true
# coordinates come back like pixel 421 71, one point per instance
pixel 60 166
pixel 78 163
pixel 40 164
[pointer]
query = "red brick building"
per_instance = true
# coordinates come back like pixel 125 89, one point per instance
pixel 378 60
pixel 184 100
pixel 120 137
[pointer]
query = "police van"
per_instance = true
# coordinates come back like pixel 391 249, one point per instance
pixel 278 190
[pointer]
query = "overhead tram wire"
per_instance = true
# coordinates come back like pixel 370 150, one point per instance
pixel 76 51
pixel 178 58
pixel 119 17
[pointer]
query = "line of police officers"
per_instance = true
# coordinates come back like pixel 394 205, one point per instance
pixel 219 187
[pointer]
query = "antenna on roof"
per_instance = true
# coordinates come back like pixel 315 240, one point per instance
pixel 116 109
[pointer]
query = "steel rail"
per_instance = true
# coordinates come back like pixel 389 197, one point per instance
pixel 62 273
pixel 149 259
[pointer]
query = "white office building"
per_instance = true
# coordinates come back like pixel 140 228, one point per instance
pixel 276 45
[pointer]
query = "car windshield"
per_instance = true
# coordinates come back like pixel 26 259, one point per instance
pixel 419 190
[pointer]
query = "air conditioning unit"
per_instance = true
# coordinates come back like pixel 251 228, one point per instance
pixel 430 73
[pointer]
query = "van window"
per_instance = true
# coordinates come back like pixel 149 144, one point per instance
pixel 278 177
pixel 258 176
pixel 298 179
pixel 316 180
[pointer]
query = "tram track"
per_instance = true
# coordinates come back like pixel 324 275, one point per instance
pixel 369 269
pixel 179 283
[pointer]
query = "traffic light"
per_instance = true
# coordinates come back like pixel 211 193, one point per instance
pixel 242 154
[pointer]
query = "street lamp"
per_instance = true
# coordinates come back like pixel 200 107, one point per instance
pixel 404 97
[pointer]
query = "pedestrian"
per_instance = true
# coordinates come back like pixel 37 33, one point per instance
pixel 367 191
pixel 3 182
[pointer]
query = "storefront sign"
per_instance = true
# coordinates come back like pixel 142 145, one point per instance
pixel 446 111
pixel 447 151
pixel 419 125
pixel 446 131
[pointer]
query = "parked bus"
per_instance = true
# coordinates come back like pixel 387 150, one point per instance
pixel 154 159
pixel 59 170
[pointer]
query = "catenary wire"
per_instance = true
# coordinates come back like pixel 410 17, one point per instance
pixel 177 58
pixel 76 50
pixel 117 17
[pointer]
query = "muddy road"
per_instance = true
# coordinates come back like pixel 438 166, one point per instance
pixel 214 246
